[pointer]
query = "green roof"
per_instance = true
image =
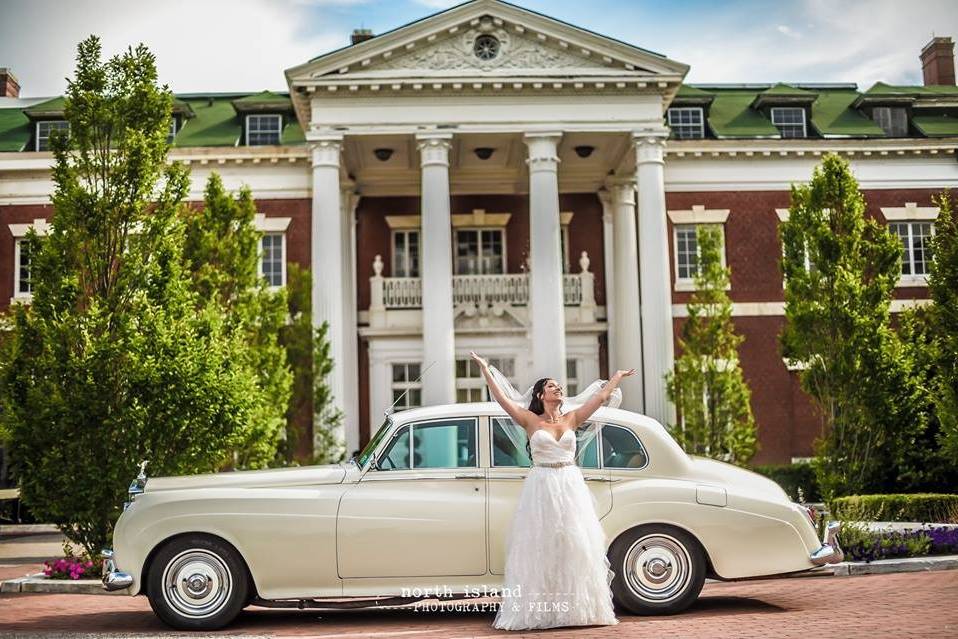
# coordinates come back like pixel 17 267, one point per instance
pixel 936 126
pixel 832 115
pixel 208 119
pixel 880 88
pixel 731 116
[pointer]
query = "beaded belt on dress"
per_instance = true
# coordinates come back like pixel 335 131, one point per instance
pixel 553 464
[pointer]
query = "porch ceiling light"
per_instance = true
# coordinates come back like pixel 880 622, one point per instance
pixel 383 154
pixel 483 152
pixel 584 150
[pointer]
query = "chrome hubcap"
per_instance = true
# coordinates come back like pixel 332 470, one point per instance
pixel 197 583
pixel 657 568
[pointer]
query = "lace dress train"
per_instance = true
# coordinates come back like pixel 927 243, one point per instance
pixel 556 571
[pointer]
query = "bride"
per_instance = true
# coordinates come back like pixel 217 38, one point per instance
pixel 556 571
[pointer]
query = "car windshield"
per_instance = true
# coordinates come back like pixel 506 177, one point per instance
pixel 373 443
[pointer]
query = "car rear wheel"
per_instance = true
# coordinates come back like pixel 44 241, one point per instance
pixel 660 570
pixel 197 582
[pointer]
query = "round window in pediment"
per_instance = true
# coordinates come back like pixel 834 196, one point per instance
pixel 486 47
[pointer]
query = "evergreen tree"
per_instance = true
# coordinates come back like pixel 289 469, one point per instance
pixel 837 323
pixel 707 386
pixel 222 254
pixel 116 360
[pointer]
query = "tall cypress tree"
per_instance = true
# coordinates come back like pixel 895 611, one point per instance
pixel 712 399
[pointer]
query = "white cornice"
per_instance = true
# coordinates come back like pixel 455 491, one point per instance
pixel 761 309
pixel 265 224
pixel 754 148
pixel 911 211
pixel 699 215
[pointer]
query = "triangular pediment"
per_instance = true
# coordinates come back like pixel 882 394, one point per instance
pixel 483 39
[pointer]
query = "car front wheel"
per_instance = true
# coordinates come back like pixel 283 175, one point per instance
pixel 197 582
pixel 659 569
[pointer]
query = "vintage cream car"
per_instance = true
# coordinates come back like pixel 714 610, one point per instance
pixel 424 510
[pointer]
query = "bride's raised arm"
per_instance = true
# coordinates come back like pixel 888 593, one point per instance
pixel 585 410
pixel 519 414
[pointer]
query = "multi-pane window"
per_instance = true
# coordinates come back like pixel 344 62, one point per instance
pixel 263 129
pixel 272 258
pixel 790 121
pixel 686 122
pixel 471 385
pixel 406 387
pixel 894 120
pixel 480 251
pixel 23 283
pixel 571 377
pixel 687 251
pixel 915 245
pixel 405 253
pixel 45 129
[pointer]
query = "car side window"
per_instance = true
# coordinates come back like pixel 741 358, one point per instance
pixel 396 455
pixel 509 444
pixel 447 443
pixel 621 448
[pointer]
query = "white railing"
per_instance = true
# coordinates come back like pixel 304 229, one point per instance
pixel 480 291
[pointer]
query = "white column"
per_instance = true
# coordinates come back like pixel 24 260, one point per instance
pixel 327 259
pixel 656 311
pixel 546 308
pixel 608 253
pixel 439 344
pixel 625 314
pixel 350 200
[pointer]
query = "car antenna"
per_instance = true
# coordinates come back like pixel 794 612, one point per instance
pixel 392 408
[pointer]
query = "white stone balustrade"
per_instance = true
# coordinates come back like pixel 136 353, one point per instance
pixel 393 293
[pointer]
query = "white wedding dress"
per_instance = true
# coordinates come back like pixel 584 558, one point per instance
pixel 556 572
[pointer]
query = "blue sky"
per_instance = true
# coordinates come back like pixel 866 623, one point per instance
pixel 244 45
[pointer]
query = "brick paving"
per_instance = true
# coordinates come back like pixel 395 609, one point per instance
pixel 897 605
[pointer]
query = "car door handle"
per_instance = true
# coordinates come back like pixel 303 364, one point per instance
pixel 597 479
pixel 513 476
pixel 468 476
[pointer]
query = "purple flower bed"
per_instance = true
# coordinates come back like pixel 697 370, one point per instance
pixel 69 568
pixel 861 544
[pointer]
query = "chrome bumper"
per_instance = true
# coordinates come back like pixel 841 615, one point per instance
pixel 830 552
pixel 113 579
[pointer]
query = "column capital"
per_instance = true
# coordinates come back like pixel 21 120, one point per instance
pixel 326 150
pixel 621 189
pixel 649 145
pixel 543 149
pixel 434 148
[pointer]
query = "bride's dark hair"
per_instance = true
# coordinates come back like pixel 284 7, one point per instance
pixel 535 405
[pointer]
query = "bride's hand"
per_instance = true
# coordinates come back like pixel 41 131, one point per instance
pixel 624 373
pixel 483 363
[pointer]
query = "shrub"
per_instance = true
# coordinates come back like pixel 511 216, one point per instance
pixel 862 544
pixel 792 477
pixel 920 507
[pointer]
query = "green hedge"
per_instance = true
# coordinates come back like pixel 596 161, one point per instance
pixel 918 507
pixel 791 477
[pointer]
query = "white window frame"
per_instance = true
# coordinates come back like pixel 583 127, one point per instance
pixel 695 216
pixel 405 232
pixel 17 256
pixel 885 113
pixel 480 230
pixel 171 134
pixel 282 258
pixel 271 226
pixel 572 377
pixel 406 385
pixel 46 138
pixel 277 117
pixel 471 383
pixel 675 126
pixel 790 124
pixel 19 232
pixel 913 278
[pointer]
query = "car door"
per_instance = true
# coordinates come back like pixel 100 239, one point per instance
pixel 422 514
pixel 508 467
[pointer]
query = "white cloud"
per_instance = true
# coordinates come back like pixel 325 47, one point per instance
pixel 215 45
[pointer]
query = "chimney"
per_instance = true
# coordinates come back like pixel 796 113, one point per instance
pixel 9 87
pixel 361 35
pixel 938 61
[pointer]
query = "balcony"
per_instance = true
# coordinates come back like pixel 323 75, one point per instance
pixel 481 295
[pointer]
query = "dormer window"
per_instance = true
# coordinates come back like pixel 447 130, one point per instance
pixel 686 122
pixel 45 128
pixel 790 121
pixel 893 120
pixel 263 129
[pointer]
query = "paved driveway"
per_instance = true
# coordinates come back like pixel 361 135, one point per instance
pixel 871 606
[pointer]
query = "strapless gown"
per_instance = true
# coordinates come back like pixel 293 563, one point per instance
pixel 556 571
